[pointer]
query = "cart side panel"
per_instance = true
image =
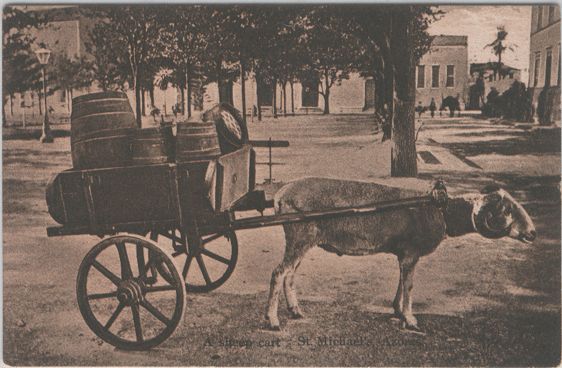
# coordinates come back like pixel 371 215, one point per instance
pixel 233 177
pixel 130 194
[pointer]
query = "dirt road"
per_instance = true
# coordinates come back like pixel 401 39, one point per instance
pixel 479 302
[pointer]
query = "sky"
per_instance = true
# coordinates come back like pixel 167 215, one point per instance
pixel 479 23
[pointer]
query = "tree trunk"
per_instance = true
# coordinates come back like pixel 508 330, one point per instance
pixel 258 84
pixel 243 90
pixel 220 83
pixel 403 154
pixel 389 81
pixel 189 97
pixel 499 65
pixel 138 109
pixel 11 105
pixel 70 94
pixel 326 95
pixel 274 104
pixel 182 109
pixel 292 99
pixel 4 101
pixel 143 99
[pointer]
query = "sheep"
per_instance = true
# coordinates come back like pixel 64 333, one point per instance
pixel 409 233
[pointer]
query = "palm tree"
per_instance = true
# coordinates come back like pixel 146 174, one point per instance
pixel 499 45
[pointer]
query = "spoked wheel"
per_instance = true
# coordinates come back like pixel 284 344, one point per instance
pixel 207 267
pixel 122 297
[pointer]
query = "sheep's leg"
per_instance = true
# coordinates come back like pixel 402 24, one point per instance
pixel 398 299
pixel 407 268
pixel 299 239
pixel 291 294
pixel 274 289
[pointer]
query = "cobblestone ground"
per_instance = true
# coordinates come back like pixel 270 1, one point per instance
pixel 479 302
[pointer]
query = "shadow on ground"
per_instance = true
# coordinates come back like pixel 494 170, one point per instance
pixel 534 142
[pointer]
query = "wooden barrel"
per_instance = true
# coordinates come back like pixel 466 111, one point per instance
pixel 153 146
pixel 196 141
pixel 101 127
pixel 231 128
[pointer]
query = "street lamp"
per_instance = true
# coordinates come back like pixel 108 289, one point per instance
pixel 43 56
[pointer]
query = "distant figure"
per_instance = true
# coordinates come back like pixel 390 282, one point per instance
pixel 155 112
pixel 419 109
pixel 453 104
pixel 432 107
pixel 176 109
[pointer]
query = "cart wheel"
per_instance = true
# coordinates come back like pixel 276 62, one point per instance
pixel 121 297
pixel 208 267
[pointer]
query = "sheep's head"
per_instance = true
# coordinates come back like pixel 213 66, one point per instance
pixel 500 215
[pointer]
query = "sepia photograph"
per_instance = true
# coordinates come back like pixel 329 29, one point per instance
pixel 281 184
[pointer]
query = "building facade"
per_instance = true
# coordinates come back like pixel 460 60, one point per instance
pixel 67 33
pixel 443 70
pixel 353 95
pixel 544 63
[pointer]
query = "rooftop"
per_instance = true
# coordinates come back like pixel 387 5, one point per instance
pixel 448 40
pixel 491 65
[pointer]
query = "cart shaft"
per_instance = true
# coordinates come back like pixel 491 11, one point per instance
pixel 290 218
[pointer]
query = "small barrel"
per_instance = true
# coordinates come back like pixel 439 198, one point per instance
pixel 101 127
pixel 231 128
pixel 153 146
pixel 196 141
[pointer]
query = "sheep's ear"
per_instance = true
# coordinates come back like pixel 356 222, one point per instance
pixel 490 189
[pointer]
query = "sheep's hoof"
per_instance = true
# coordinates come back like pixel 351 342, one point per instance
pixel 412 328
pixel 273 323
pixel 295 313
pixel 397 315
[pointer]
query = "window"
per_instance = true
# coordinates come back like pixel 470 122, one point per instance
pixel 548 67
pixel 537 69
pixel 539 18
pixel 421 76
pixel 550 14
pixel 450 75
pixel 435 76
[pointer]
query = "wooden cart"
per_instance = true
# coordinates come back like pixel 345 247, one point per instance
pixel 130 287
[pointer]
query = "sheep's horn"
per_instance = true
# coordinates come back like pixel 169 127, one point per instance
pixel 484 228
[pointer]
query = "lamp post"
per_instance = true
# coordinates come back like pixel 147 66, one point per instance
pixel 43 56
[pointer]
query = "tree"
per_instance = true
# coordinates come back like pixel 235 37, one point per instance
pixel 396 39
pixel 220 62
pixel 330 47
pixel 20 69
pixel 184 46
pixel 110 65
pixel 135 30
pixel 499 45
pixel 409 40
pixel 67 74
